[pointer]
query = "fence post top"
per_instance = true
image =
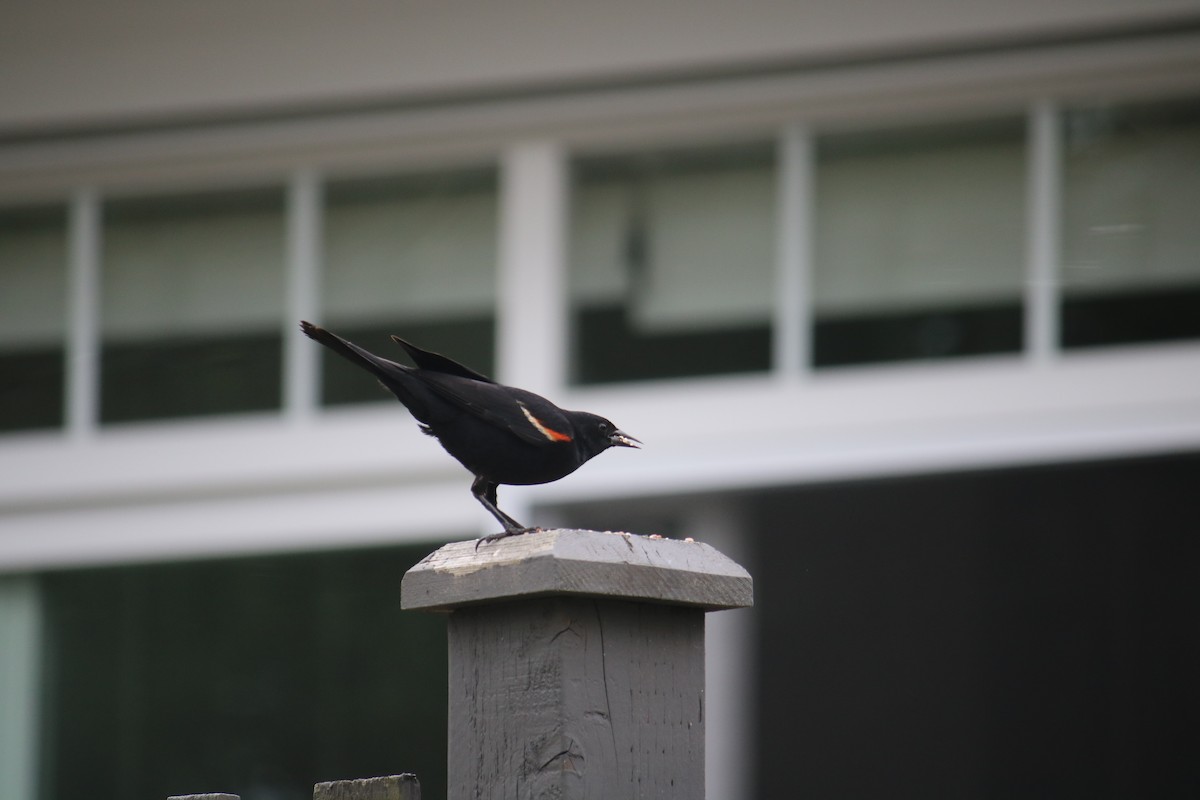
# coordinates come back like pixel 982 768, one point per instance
pixel 577 562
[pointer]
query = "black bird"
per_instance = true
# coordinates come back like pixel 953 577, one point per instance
pixel 499 433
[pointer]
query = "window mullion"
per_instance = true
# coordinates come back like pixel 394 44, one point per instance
pixel 1044 192
pixel 792 350
pixel 531 328
pixel 83 314
pixel 301 360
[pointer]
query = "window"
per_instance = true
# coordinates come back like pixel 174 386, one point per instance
pixel 192 305
pixel 1131 223
pixel 413 256
pixel 672 261
pixel 257 675
pixel 919 242
pixel 33 290
pixel 918 248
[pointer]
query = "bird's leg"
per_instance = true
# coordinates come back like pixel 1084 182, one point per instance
pixel 485 492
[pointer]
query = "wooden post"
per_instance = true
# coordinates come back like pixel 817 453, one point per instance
pixel 576 661
pixel 389 787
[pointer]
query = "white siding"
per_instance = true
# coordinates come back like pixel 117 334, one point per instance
pixel 70 62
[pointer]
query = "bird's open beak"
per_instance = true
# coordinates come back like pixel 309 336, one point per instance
pixel 622 439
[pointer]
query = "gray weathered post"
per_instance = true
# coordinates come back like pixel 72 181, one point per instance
pixel 576 661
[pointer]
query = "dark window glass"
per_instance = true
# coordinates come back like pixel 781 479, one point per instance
pixel 919 247
pixel 672 262
pixel 1017 633
pixel 414 256
pixel 192 305
pixel 33 289
pixel 257 676
pixel 1131 224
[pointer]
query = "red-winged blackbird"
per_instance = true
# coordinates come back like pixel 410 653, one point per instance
pixel 499 433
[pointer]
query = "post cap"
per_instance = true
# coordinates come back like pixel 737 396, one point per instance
pixel 577 562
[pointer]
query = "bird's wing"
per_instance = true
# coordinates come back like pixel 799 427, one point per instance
pixel 526 415
pixel 436 362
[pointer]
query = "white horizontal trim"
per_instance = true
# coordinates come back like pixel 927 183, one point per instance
pixel 269 523
pixel 719 465
pixel 368 475
pixel 870 422
pixel 215 457
pixel 930 393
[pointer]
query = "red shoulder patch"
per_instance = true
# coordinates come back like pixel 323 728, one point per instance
pixel 542 428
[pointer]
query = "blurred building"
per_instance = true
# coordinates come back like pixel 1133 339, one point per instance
pixel 904 300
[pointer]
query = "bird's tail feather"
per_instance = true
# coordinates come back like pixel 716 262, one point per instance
pixel 347 350
pixel 390 374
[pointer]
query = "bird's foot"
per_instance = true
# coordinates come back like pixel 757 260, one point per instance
pixel 504 534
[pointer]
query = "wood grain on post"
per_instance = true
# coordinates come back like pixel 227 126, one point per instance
pixel 576 661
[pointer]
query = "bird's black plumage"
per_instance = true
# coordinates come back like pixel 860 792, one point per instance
pixel 501 434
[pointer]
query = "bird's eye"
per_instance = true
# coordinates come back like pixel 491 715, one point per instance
pixel 604 427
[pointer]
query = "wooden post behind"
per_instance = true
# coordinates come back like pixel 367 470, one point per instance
pixel 576 661
pixel 389 787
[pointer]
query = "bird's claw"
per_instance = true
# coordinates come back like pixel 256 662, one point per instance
pixel 504 534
